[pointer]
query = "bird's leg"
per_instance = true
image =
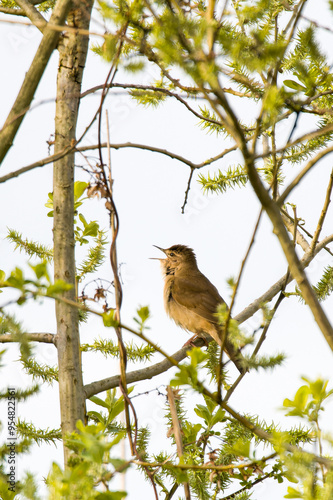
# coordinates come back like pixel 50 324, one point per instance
pixel 192 339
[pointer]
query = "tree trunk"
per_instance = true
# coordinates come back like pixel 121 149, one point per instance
pixel 72 56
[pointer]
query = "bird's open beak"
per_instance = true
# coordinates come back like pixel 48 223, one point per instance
pixel 156 258
pixel 162 249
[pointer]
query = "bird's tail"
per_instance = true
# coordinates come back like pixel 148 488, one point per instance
pixel 235 355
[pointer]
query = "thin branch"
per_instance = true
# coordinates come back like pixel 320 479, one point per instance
pixel 47 338
pixel 33 14
pixel 289 222
pixel 302 173
pixel 305 244
pixel 323 213
pixel 12 11
pixel 172 491
pixel 266 436
pixel 171 94
pixel 153 149
pixel 141 374
pixel 187 190
pixel 225 328
pixel 303 138
pixel 58 28
pixel 248 487
pixel 140 146
pixel 37 164
pixel 296 269
pixel 205 466
pixel 250 310
pixel 177 432
pixel 52 158
pixel 191 92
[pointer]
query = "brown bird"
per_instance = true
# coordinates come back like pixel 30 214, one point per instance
pixel 191 300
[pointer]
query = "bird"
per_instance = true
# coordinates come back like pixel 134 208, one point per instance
pixel 191 300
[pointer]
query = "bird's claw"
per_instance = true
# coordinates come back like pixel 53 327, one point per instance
pixel 191 343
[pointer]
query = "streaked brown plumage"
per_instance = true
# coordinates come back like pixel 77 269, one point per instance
pixel 190 299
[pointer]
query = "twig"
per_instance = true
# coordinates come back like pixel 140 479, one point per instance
pixel 162 151
pixel 47 338
pixel 303 138
pixel 114 223
pixel 187 190
pixel 303 172
pixel 323 213
pixel 57 28
pixel 50 159
pixel 296 269
pixel 190 91
pixel 33 14
pixel 305 246
pixel 225 328
pixel 37 164
pixel 290 225
pixel 206 466
pixel 250 486
pixel 172 491
pixel 266 436
pixel 177 434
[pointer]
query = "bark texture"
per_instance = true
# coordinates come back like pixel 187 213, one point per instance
pixel 72 56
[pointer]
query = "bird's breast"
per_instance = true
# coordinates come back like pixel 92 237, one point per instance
pixel 183 316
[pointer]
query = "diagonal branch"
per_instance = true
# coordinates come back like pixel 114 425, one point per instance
pixel 47 338
pixel 33 14
pixel 267 436
pixel 177 432
pixel 323 212
pixel 37 164
pixel 296 269
pixel 33 77
pixel 303 172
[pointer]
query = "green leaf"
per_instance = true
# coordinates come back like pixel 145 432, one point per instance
pixel 299 402
pixel 83 220
pixel 49 203
pixel 143 313
pixel 202 412
pixel 16 279
pixel 95 415
pixel 59 286
pixel 111 495
pixel 293 493
pixel 241 448
pixel 109 319
pixel 294 85
pixel 91 229
pixel 99 401
pixel 2 277
pixel 41 271
pixel 79 189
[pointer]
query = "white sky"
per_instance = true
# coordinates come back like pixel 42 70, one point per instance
pixel 149 191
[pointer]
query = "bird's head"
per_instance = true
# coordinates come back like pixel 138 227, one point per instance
pixel 177 256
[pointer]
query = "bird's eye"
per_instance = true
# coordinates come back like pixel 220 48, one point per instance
pixel 171 254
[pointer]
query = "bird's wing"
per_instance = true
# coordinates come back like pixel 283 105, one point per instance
pixel 200 296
